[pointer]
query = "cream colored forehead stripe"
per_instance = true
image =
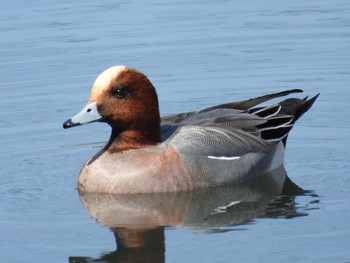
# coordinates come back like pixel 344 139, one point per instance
pixel 104 79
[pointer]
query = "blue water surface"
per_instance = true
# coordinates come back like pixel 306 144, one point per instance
pixel 197 53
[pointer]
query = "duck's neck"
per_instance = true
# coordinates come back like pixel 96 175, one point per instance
pixel 131 139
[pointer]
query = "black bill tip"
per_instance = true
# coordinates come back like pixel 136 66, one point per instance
pixel 69 124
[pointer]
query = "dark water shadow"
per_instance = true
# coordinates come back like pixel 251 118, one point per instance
pixel 138 221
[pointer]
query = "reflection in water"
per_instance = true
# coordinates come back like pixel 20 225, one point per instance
pixel 138 220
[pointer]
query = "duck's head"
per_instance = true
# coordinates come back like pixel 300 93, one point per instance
pixel 126 100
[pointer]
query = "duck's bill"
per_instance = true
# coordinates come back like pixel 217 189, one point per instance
pixel 88 114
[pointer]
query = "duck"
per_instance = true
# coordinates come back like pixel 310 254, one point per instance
pixel 216 146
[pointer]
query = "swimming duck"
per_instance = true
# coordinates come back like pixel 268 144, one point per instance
pixel 146 153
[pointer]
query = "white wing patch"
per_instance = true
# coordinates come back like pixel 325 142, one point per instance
pixel 226 158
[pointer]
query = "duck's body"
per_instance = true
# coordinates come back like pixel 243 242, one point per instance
pixel 164 168
pixel 220 145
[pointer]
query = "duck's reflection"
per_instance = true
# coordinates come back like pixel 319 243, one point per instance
pixel 138 221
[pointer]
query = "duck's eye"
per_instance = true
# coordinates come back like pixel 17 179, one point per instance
pixel 121 92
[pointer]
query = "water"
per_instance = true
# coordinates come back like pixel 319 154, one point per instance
pixel 197 54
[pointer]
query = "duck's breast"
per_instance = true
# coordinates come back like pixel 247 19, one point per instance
pixel 136 171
